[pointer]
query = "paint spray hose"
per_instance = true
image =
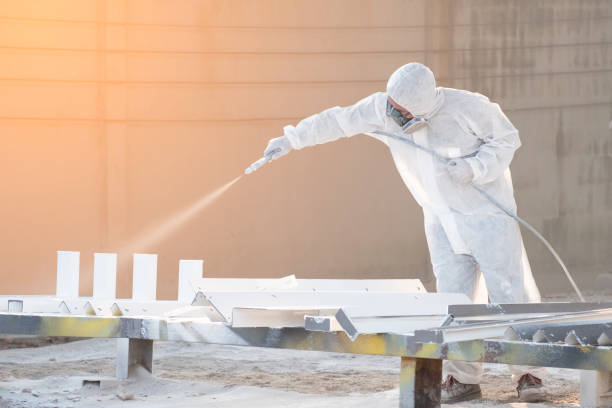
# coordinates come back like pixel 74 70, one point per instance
pixel 495 203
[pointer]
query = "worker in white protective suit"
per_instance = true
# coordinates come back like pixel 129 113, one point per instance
pixel 471 241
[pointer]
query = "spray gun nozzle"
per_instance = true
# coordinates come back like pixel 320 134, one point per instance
pixel 255 166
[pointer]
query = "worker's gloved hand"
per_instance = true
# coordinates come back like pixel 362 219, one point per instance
pixel 460 171
pixel 277 148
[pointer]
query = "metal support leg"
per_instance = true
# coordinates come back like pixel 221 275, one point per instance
pixel 132 352
pixel 595 389
pixel 420 380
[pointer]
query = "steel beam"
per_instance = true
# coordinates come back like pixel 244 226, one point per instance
pixel 274 317
pixel 420 383
pixel 39 304
pixel 132 353
pixel 596 389
pixel 474 331
pixel 15 306
pixel 368 325
pixel 467 310
pixel 290 283
pixel 353 303
pixel 583 333
pixel 102 307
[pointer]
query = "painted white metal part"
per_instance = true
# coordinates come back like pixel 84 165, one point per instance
pixel 370 325
pixel 71 306
pixel 101 307
pixel 498 329
pixel 290 283
pixel 137 308
pixel 42 304
pixel 144 286
pixel 275 318
pixel 322 323
pixel 67 274
pixel 325 320
pixel 354 304
pixel 132 353
pixel 201 301
pixel 190 272
pixel 105 276
pixel 15 306
pixel 595 389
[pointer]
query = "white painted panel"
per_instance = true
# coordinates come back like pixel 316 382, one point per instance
pixel 67 274
pixel 190 272
pixel 144 286
pixel 316 285
pixel 105 276
pixel 15 306
pixel 370 285
pixel 594 389
pixel 398 325
pixel 354 304
pixel 130 307
pixel 40 304
pixel 242 317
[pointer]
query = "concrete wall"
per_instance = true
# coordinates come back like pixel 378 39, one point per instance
pixel 549 63
pixel 117 114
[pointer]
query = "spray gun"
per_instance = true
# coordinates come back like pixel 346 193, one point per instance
pixel 267 158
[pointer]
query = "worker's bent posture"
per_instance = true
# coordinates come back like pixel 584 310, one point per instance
pixel 467 235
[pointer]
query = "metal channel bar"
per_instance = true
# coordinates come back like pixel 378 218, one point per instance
pixel 584 333
pixel 460 311
pixel 79 326
pixel 474 331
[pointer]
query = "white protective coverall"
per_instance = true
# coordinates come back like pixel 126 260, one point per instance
pixel 468 237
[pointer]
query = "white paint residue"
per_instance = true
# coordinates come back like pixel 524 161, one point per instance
pixel 155 235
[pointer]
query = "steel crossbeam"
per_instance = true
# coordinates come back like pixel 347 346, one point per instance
pixel 475 310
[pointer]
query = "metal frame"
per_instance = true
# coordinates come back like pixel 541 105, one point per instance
pixel 420 374
pixel 360 317
pixel 500 351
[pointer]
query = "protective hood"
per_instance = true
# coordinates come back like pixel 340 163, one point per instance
pixel 413 86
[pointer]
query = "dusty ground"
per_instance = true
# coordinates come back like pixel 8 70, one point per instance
pixel 188 375
pixel 226 376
